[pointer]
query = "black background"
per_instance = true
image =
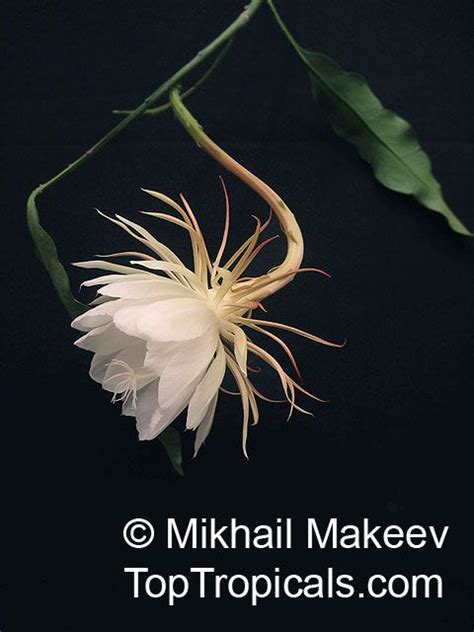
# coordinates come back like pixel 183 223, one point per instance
pixel 395 441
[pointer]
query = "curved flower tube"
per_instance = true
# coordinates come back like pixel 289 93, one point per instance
pixel 282 274
pixel 163 334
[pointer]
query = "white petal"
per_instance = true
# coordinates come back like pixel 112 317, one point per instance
pixel 166 266
pixel 129 408
pixel 159 354
pixel 205 426
pixel 99 366
pixel 104 340
pixel 168 320
pixel 100 300
pixel 147 406
pixel 189 367
pixel 163 417
pixel 151 287
pixel 161 420
pixel 118 278
pixel 151 425
pixel 207 389
pixel 97 316
pixel 186 368
pixel 105 265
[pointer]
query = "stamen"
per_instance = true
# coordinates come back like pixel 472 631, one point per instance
pixel 126 388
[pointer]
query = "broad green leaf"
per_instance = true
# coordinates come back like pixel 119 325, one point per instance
pixel 382 138
pixel 172 444
pixel 48 255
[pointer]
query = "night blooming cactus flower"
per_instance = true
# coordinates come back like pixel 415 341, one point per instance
pixel 163 335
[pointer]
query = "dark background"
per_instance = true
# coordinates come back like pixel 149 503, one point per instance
pixel 395 441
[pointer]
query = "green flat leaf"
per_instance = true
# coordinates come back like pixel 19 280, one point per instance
pixel 171 442
pixel 48 255
pixel 381 137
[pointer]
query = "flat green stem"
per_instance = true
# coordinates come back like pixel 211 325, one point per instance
pixel 187 93
pixel 38 234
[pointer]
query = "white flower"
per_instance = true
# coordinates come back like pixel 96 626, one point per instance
pixel 163 335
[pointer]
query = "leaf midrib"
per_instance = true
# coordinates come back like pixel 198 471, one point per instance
pixel 366 124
